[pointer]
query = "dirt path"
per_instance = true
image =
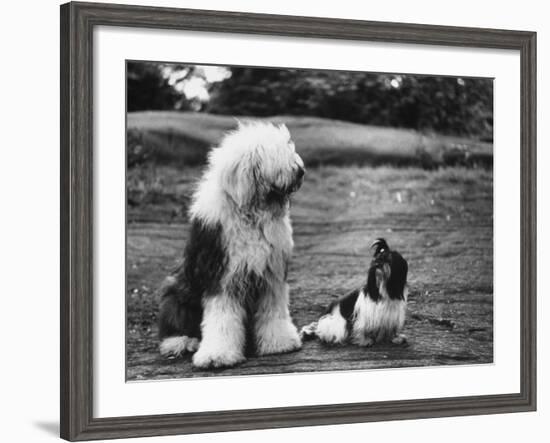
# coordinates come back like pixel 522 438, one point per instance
pixel 441 221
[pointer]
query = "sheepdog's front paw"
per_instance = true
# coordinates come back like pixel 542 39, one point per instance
pixel 216 358
pixel 173 347
pixel 278 338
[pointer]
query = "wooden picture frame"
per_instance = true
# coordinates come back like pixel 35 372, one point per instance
pixel 77 23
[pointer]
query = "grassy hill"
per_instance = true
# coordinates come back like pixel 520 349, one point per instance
pixel 185 138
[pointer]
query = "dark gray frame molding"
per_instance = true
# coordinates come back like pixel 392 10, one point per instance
pixel 77 24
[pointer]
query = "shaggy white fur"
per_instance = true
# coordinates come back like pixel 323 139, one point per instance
pixel 275 332
pixel 332 327
pixel 223 333
pixel 371 321
pixel 245 190
pixel 248 161
pixel 384 318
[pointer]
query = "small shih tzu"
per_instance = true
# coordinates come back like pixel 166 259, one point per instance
pixel 371 314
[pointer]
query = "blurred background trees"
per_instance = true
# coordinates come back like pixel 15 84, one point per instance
pixel 157 86
pixel 148 88
pixel 446 105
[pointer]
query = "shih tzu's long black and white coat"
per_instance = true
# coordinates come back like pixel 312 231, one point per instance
pixel 230 293
pixel 373 313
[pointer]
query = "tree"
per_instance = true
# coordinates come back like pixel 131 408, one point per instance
pixel 448 105
pixel 152 86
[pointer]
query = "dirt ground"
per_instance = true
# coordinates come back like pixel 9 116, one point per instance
pixel 440 220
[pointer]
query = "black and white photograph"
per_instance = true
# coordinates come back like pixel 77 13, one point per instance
pixel 243 222
pixel 285 220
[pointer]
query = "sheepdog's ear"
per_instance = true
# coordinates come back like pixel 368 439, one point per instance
pixel 398 279
pixel 372 286
pixel 241 179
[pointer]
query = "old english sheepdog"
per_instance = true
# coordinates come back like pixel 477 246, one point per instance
pixel 230 297
pixel 372 313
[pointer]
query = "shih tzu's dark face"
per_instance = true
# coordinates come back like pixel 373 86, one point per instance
pixel 387 275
